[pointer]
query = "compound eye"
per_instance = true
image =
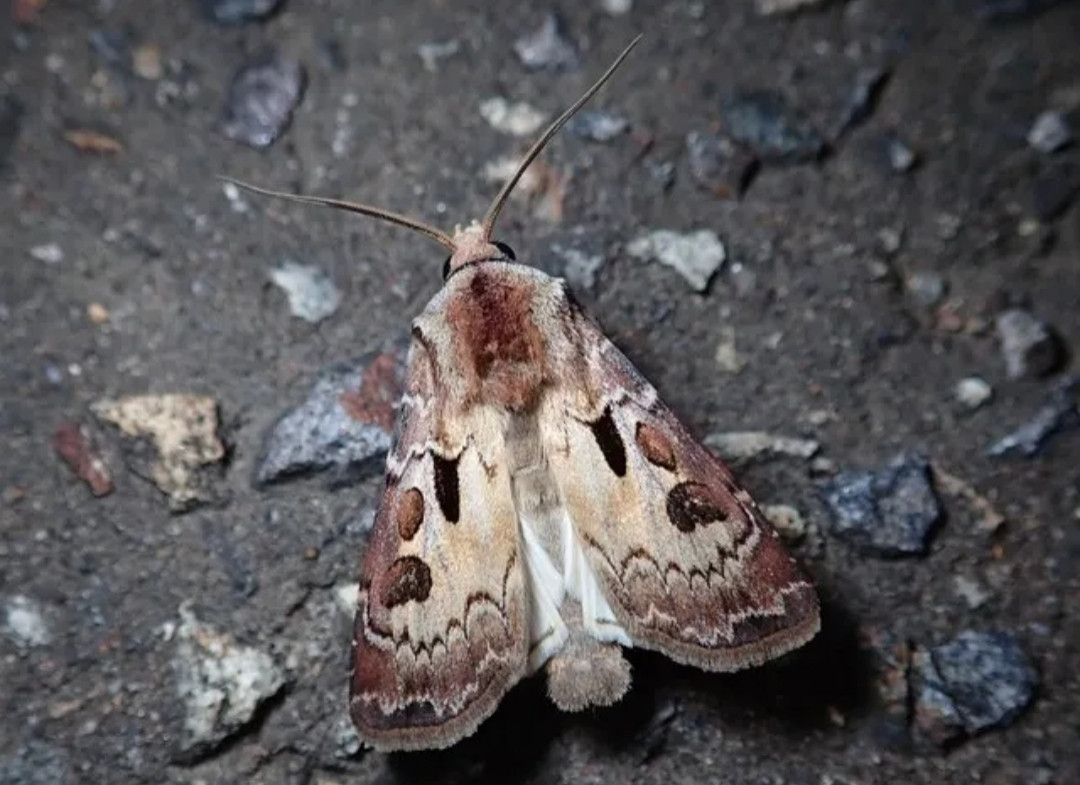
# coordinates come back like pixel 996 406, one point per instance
pixel 506 250
pixel 446 268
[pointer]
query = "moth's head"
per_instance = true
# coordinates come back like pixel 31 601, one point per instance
pixel 473 243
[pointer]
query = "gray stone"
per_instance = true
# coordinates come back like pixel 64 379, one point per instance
pixel 1030 347
pixel 1060 412
pixel 312 295
pixel 739 446
pixel 261 99
pixel 345 425
pixel 975 682
pixel 719 164
pixel 549 47
pixel 35 763
pixel 598 126
pixel 972 392
pixel 220 684
pixel 697 256
pixel 1050 132
pixel 231 12
pixel 889 511
pixel 764 121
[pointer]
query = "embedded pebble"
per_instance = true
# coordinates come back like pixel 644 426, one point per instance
pixel 861 102
pixel 697 256
pixel 616 7
pixel 598 126
pixel 727 353
pixel 347 743
pixel 549 47
pixel 764 121
pixel 1060 412
pixel 579 267
pixel 736 446
pixel 37 763
pixel 972 392
pixel 261 99
pixel 49 253
pixel 718 164
pixel 889 511
pixel 787 521
pixel 146 62
pixel 973 593
pixel 347 597
pixel 220 684
pixel 231 12
pixel 975 682
pixel 1030 347
pixel 344 425
pixel 182 430
pixel 73 444
pixel 434 52
pixel 926 288
pixel 517 118
pixel 24 623
pixel 1050 132
pixel 312 295
pixel 901 157
pixel 771 7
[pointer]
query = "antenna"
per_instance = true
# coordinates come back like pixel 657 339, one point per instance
pixel 497 204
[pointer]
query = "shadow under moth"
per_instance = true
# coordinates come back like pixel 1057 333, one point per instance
pixel 542 509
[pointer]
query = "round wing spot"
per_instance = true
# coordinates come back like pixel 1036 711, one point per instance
pixel 410 513
pixel 655 446
pixel 692 504
pixel 408 578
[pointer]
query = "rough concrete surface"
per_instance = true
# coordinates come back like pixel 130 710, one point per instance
pixel 127 269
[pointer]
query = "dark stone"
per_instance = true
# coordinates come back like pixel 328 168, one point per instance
pixel 889 511
pixel 261 100
pixel 232 12
pixel 763 120
pixel 720 165
pixel 975 682
pixel 323 432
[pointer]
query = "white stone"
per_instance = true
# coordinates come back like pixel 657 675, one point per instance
pixel 697 256
pixel 24 623
pixel 515 118
pixel 312 295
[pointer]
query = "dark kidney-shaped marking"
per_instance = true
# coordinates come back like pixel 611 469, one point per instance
pixel 610 442
pixel 408 578
pixel 692 504
pixel 447 490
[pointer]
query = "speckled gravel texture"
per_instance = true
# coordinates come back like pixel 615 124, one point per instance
pixel 831 346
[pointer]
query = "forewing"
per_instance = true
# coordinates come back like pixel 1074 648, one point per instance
pixel 682 553
pixel 440 631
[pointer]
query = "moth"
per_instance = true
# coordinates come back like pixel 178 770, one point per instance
pixel 543 509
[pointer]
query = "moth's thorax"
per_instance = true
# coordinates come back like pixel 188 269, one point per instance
pixel 471 244
pixel 497 351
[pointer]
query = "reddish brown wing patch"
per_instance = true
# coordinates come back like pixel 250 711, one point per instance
pixel 500 351
pixel 379 390
pixel 655 446
pixel 408 579
pixel 410 513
